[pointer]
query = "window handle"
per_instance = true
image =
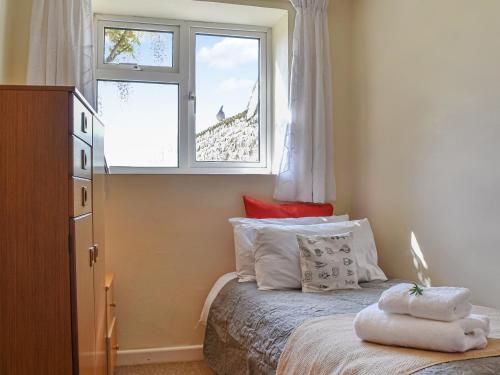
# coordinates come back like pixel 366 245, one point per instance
pixel 192 97
pixel 133 66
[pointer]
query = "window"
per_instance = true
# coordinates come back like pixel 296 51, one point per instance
pixel 138 47
pixel 182 97
pixel 231 65
pixel 143 123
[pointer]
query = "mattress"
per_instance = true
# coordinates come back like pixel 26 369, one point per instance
pixel 247 329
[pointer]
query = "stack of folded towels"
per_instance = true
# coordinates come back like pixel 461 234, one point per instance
pixel 436 319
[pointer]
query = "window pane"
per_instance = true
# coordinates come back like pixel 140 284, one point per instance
pixel 142 47
pixel 141 123
pixel 227 104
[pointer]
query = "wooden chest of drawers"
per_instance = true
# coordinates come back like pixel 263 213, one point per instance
pixel 52 274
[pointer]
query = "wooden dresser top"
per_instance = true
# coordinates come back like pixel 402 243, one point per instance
pixel 69 89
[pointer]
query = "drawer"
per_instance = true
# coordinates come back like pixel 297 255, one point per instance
pixel 81 163
pixel 110 301
pixel 81 124
pixel 112 347
pixel 80 196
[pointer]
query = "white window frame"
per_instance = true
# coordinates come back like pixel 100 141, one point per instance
pixel 183 74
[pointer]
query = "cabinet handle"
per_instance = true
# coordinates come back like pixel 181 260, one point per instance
pixel 91 256
pixel 116 347
pixel 84 196
pixel 112 304
pixel 84 123
pixel 96 252
pixel 84 159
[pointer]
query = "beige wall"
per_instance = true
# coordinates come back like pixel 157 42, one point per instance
pixel 168 240
pixel 340 23
pixel 15 18
pixel 3 41
pixel 427 116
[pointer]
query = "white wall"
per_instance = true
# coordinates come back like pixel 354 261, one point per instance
pixel 255 12
pixel 427 119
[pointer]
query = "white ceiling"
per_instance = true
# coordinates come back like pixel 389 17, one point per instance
pixel 192 10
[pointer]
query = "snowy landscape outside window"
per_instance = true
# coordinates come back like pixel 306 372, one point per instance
pixel 181 97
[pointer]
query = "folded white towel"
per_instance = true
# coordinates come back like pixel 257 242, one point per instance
pixel 438 303
pixel 375 325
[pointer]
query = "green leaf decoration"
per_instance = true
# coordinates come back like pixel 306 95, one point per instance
pixel 416 290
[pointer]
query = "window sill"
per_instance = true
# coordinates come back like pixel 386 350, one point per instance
pixel 204 171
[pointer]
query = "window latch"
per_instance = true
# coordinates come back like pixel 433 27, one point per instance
pixel 192 98
pixel 132 66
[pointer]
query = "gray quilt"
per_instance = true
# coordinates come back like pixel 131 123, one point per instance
pixel 247 329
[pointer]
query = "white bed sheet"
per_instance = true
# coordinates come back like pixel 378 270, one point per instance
pixel 219 284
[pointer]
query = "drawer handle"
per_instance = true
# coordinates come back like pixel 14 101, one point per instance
pixel 84 159
pixel 84 123
pixel 91 256
pixel 84 196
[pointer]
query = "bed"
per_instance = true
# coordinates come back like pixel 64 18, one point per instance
pixel 247 329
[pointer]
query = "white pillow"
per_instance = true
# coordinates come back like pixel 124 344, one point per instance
pixel 244 235
pixel 327 262
pixel 277 261
pixel 277 264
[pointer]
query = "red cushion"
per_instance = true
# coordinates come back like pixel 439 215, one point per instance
pixel 257 209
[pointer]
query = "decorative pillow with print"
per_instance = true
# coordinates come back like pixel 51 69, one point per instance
pixel 327 262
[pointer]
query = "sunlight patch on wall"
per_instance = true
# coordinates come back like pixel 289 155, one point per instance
pixel 419 261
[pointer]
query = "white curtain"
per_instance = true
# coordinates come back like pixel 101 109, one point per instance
pixel 306 171
pixel 61 51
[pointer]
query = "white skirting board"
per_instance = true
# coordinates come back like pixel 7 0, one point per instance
pixel 160 355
